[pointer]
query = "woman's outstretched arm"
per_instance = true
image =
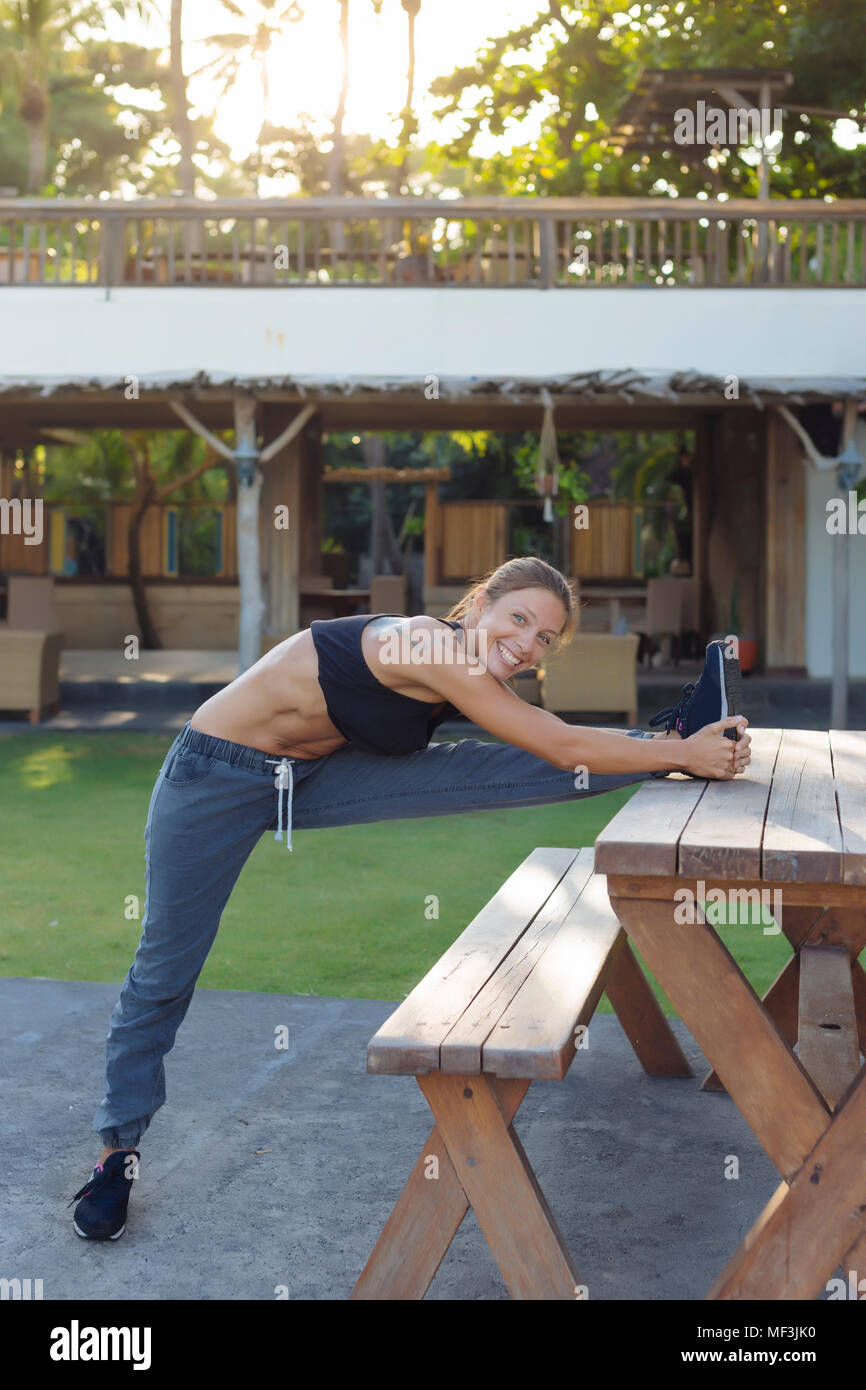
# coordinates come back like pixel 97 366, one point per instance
pixel 478 695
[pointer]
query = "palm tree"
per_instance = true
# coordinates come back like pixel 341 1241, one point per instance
pixel 336 159
pixel 180 112
pixel 410 124
pixel 32 32
pixel 264 22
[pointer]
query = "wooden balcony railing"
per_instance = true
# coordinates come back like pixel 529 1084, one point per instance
pixel 546 243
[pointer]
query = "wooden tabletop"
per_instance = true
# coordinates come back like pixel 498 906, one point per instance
pixel 796 815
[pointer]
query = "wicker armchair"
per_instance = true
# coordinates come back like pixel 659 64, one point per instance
pixel 30 647
pixel 596 672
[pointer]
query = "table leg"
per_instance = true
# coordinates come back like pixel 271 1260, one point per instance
pixel 859 976
pixel 435 1200
pixel 807 1229
pixel 780 1001
pixel 419 1230
pixel 642 1019
pixel 811 926
pixel 765 1080
pixel 498 1180
pixel 828 1043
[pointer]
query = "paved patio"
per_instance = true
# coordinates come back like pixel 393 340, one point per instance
pixel 269 1168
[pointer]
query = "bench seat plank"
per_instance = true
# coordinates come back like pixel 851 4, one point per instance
pixel 536 1035
pixel 802 837
pixel 409 1042
pixel 461 1053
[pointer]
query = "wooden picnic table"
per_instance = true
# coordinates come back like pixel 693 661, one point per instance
pixel 793 827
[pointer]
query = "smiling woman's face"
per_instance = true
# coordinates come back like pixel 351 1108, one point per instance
pixel 520 628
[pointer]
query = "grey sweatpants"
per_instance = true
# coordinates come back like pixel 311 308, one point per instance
pixel 212 802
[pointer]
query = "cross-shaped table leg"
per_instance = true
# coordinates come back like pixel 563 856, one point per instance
pixel 479 1161
pixel 818 1215
pixel 811 926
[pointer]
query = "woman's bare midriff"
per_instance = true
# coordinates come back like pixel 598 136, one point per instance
pixel 278 706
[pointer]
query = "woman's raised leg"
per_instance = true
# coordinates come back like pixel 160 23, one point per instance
pixel 351 787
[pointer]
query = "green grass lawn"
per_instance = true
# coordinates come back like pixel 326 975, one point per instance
pixel 344 914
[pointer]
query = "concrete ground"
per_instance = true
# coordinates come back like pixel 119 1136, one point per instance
pixel 271 1168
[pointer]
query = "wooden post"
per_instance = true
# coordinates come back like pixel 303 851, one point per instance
pixel 785 605
pixel 431 536
pixel 701 466
pixel 841 584
pixel 249 573
pixel 292 480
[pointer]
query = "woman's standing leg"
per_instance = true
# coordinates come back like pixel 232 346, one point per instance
pixel 207 812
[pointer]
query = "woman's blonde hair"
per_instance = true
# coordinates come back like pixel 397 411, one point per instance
pixel 528 572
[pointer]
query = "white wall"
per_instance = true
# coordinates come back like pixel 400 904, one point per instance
pixel 820 487
pixel 51 332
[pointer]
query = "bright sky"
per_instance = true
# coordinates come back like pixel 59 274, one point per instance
pixel 305 62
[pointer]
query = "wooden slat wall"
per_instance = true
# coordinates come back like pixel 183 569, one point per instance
pixel 34 559
pixel 474 538
pixel 26 559
pixel 117 557
pixel 151 542
pixel 605 550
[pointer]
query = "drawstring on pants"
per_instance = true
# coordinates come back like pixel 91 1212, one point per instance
pixel 284 778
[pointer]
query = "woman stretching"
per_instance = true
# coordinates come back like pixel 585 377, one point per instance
pixel 336 720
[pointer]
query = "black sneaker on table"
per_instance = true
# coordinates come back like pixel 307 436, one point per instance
pixel 716 694
pixel 101 1213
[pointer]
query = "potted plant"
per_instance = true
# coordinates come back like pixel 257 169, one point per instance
pixel 747 642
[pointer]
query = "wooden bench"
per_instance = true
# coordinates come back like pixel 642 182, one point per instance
pixel 505 1006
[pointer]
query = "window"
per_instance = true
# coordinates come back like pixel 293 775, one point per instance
pixel 78 540
pixel 200 542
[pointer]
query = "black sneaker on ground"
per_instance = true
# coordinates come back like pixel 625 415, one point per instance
pixel 716 695
pixel 101 1213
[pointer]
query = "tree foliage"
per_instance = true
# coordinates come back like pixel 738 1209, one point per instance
pixel 573 68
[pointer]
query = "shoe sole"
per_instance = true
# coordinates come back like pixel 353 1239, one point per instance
pixel 85 1236
pixel 730 684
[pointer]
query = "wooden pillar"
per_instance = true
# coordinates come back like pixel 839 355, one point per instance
pixel 785 543
pixel 292 480
pixel 312 464
pixel 736 530
pixel 432 536
pixel 701 471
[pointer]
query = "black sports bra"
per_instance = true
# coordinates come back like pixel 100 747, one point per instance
pixel 366 712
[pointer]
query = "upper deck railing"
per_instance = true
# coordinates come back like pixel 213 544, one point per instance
pixel 541 243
